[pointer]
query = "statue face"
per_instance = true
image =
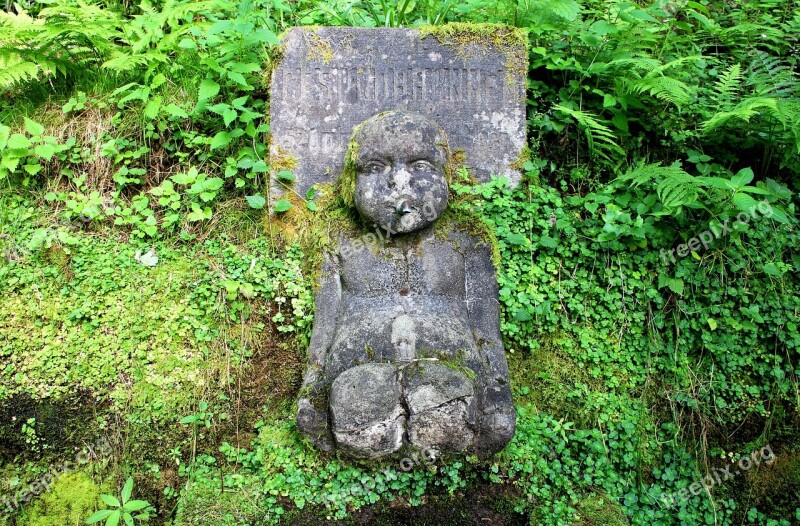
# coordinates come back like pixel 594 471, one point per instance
pixel 400 177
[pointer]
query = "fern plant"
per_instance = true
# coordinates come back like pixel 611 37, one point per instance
pixel 62 40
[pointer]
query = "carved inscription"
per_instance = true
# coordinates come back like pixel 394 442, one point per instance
pixel 358 85
pixel 316 101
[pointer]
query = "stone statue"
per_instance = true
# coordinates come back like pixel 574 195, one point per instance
pixel 406 348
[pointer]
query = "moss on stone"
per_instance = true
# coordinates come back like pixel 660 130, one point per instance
pixel 317 48
pixel 282 159
pixel 511 42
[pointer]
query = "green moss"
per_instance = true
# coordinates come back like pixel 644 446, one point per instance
pixel 600 510
pixel 204 504
pixel 71 500
pixel 511 42
pixel 282 159
pixel 317 48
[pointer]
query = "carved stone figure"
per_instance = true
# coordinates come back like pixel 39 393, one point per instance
pixel 406 348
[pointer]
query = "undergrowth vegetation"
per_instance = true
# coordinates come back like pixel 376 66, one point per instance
pixel 648 268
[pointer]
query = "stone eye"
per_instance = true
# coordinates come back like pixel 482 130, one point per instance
pixel 422 166
pixel 375 168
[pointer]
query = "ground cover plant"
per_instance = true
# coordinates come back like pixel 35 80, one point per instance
pixel 154 317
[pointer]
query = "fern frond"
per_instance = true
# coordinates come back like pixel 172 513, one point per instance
pixel 665 88
pixel 674 186
pixel 601 140
pixel 122 61
pixel 745 110
pixel 729 83
pixel 14 70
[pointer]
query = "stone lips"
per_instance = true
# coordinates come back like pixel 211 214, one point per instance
pixel 331 79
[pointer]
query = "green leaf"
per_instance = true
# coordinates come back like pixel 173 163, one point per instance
pixel 136 505
pixel 187 43
pixel 548 242
pixel 113 519
pixel 516 239
pixel 712 323
pixel 742 177
pixel 5 132
pixel 256 201
pixel 18 142
pixel 744 202
pixel 282 205
pixel 33 127
pixel 229 115
pixel 522 315
pixel 772 270
pixel 128 519
pixel 208 90
pixel 98 516
pixel 312 206
pixel 221 140
pixel 110 500
pixel 45 151
pixel 286 175
pixel 127 489
pixel 676 285
pixel 33 169
pixel 175 111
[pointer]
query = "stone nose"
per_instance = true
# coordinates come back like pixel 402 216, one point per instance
pixel 400 180
pixel 403 207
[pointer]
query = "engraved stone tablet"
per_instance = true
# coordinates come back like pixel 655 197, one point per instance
pixel 470 79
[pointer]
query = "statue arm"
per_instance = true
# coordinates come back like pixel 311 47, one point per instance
pixel 326 312
pixel 312 411
pixel 497 417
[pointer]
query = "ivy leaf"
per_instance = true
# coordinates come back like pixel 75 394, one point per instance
pixel 208 90
pixel 256 201
pixel 282 205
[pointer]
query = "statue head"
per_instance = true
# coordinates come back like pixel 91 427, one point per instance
pixel 399 167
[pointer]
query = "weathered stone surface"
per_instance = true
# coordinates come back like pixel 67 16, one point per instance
pixel 441 406
pixel 368 416
pixel 330 79
pixel 406 335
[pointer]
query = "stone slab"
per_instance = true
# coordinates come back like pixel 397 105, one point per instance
pixel 330 79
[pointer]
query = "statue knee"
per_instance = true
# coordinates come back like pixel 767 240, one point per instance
pixel 367 414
